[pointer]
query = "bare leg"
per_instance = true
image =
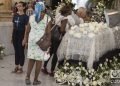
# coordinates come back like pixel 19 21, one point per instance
pixel 30 67
pixel 37 69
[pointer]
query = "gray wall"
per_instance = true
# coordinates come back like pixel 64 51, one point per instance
pixel 5 36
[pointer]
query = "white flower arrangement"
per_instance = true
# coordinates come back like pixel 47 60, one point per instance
pixel 98 12
pixel 1 51
pixel 89 29
pixel 75 74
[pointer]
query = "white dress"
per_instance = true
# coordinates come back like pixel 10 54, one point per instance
pixel 37 31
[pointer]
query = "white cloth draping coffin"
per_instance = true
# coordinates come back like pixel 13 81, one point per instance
pixel 86 48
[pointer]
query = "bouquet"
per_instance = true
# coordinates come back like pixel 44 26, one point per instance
pixel 89 29
pixel 77 75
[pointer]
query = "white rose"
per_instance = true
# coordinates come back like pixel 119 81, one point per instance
pixel 83 68
pixel 67 64
pixel 74 27
pixel 56 75
pixel 65 67
pixel 86 73
pixel 110 61
pixel 65 76
pixel 71 68
pixel 85 32
pixel 81 25
pixel 86 81
pixel 89 71
pixel 73 84
pixel 100 65
pixel 2 52
pixel 116 59
pixel 78 35
pixel 59 80
pixel 80 63
pixel 92 70
pixel 77 67
pixel 91 28
pixel 87 85
pixel 99 83
pixel 93 78
pixel 91 35
pixel 92 73
pixel 106 60
pixel 119 54
pixel 94 83
pixel 86 24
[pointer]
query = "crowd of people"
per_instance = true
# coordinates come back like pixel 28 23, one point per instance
pixel 29 24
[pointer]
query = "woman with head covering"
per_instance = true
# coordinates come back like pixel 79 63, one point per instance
pixel 34 32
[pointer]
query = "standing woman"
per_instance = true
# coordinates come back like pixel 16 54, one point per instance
pixel 20 21
pixel 36 29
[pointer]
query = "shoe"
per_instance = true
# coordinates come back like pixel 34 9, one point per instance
pixel 36 82
pixel 44 71
pixel 20 71
pixel 15 70
pixel 51 74
pixel 27 81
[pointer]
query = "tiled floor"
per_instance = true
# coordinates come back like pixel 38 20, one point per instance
pixel 9 79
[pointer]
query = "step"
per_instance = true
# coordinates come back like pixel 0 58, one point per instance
pixel 5 18
pixel 5 12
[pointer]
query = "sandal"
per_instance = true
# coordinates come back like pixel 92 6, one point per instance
pixel 15 70
pixel 20 71
pixel 36 82
pixel 27 81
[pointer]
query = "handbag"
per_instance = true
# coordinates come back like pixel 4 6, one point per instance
pixel 45 41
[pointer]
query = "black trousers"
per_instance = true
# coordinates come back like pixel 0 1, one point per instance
pixel 53 51
pixel 19 49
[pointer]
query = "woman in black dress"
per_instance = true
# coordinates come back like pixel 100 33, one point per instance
pixel 20 21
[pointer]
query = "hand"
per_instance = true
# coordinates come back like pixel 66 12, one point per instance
pixel 48 50
pixel 23 42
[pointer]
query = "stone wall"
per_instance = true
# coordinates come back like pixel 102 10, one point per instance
pixel 5 36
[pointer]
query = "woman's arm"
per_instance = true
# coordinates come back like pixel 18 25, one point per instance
pixel 63 26
pixel 26 36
